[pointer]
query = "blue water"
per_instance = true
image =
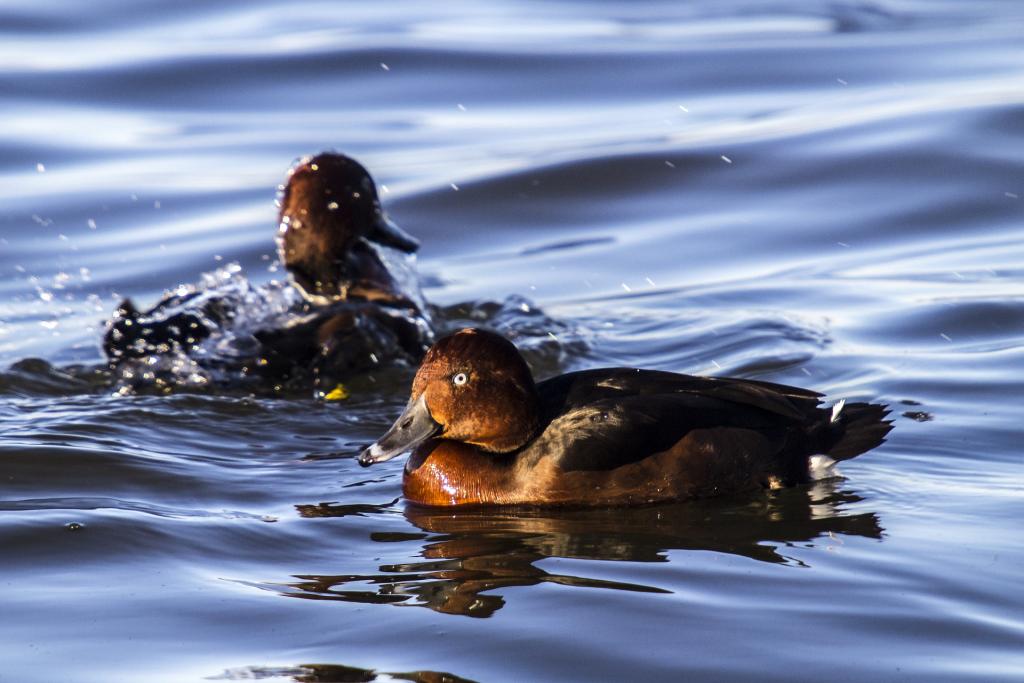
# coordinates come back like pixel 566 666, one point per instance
pixel 828 194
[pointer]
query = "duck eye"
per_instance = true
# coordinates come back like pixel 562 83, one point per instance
pixel 460 379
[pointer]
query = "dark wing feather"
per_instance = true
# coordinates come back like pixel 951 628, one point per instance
pixel 581 388
pixel 602 419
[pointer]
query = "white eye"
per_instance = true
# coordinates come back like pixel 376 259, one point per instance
pixel 460 379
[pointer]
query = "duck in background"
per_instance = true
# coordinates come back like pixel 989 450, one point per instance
pixel 353 303
pixel 483 433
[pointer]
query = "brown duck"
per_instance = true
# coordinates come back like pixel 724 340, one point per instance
pixel 484 433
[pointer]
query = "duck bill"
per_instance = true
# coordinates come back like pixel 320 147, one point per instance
pixel 390 235
pixel 413 427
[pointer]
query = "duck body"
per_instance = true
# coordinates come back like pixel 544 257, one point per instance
pixel 249 342
pixel 326 345
pixel 627 437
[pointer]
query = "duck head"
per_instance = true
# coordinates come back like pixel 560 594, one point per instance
pixel 473 387
pixel 329 213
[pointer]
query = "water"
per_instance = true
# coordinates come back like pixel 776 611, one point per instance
pixel 828 194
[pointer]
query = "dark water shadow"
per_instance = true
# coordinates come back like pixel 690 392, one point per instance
pixel 471 553
pixel 333 673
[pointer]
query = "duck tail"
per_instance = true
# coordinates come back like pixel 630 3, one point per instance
pixel 856 428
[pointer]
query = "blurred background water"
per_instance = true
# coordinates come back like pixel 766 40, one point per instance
pixel 827 194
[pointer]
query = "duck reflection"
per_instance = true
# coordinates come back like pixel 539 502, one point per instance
pixel 335 673
pixel 470 553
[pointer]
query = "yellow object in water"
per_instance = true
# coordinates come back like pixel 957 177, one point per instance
pixel 338 393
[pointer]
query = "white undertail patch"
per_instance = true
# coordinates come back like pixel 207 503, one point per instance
pixel 821 467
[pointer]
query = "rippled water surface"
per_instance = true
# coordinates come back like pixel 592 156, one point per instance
pixel 828 194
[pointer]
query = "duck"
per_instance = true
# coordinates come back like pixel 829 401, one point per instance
pixel 482 432
pixel 351 303
pixel 352 265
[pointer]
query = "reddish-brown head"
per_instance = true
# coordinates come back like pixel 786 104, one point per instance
pixel 474 387
pixel 328 205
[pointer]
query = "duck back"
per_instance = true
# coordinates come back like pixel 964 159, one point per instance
pixel 628 436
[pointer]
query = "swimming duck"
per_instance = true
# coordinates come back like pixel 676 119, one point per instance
pixel 482 432
pixel 346 257
pixel 360 305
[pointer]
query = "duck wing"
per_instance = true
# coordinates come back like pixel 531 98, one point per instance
pixel 603 419
pixel 582 388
